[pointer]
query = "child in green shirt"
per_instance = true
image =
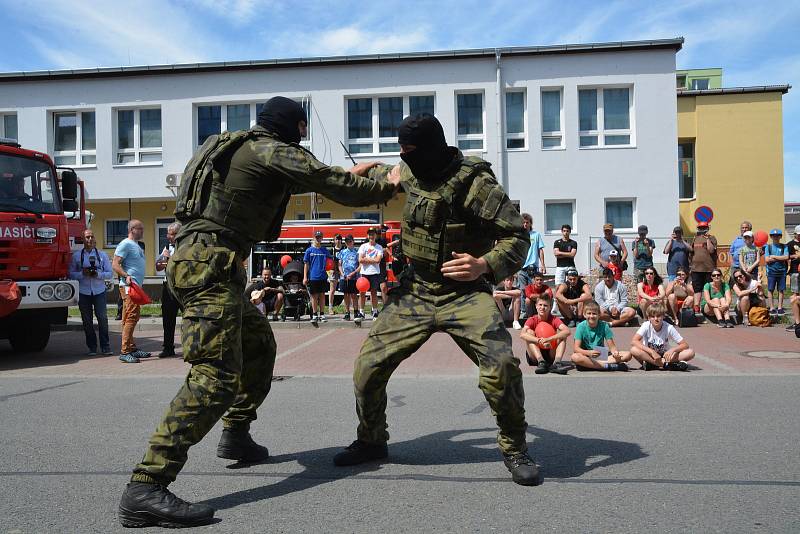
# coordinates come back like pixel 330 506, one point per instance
pixel 595 348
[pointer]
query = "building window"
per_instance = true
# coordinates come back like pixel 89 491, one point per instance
pixel 469 116
pixel 8 126
pixel 116 231
pixel 619 212
pixel 300 216
pixel 686 176
pixel 516 118
pixel 373 216
pixel 552 135
pixel 373 122
pixel 74 138
pixel 138 136
pixel 558 213
pixel 323 215
pixel 699 84
pixel 680 81
pixel 604 117
pixel 211 120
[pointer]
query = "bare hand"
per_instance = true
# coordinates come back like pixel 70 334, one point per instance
pixel 363 168
pixel 594 353
pixel 464 267
pixel 305 281
pixel 543 269
pixel 394 176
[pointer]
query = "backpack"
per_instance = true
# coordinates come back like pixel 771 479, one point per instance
pixel 686 317
pixel 759 316
pixel 195 186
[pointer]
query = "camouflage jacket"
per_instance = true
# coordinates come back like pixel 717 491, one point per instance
pixel 267 171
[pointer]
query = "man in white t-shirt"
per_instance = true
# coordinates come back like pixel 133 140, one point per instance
pixel 369 256
pixel 651 344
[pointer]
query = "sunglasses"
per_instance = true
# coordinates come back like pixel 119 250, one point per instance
pixel 739 276
pixel 716 276
pixel 650 273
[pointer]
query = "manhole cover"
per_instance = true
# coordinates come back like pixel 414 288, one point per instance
pixel 776 354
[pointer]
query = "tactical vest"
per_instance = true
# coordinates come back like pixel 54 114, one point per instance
pixel 433 228
pixel 204 195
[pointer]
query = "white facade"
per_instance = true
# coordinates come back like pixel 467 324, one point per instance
pixel 641 176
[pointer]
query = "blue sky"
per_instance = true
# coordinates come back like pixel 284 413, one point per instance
pixel 756 42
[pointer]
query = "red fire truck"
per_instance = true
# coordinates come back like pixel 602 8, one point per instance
pixel 42 215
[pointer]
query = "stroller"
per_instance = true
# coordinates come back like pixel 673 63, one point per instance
pixel 297 301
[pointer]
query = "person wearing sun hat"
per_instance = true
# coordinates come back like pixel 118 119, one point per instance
pixel 776 256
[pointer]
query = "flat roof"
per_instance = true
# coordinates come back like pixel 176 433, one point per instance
pixel 736 90
pixel 190 68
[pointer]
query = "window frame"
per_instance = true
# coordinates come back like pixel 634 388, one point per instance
pixel 696 81
pixel 107 243
pixel 555 133
pixel 376 213
pixel 634 214
pixel 601 132
pixel 518 135
pixel 137 151
pixel 472 137
pixel 3 115
pixel 376 140
pixel 79 151
pixel 693 172
pixel 573 223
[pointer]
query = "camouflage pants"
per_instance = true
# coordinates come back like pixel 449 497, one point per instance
pixel 230 346
pixel 473 321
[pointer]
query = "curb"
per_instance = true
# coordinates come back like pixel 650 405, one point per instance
pixel 153 324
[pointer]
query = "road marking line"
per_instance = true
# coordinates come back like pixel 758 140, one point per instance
pixel 720 365
pixel 328 331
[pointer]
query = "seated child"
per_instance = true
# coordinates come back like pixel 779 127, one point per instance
pixel 538 287
pixel 651 344
pixel 591 338
pixel 546 360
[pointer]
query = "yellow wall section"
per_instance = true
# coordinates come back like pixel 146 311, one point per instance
pixel 738 160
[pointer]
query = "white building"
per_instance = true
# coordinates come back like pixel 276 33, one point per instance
pixel 582 134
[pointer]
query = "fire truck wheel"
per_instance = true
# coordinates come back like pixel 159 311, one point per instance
pixel 32 337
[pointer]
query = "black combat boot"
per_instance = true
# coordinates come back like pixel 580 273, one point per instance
pixel 523 469
pixel 236 444
pixel 147 505
pixel 359 452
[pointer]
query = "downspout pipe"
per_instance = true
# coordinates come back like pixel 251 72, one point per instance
pixel 499 121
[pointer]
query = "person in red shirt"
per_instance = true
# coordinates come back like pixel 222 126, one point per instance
pixel 613 264
pixel 538 287
pixel 546 360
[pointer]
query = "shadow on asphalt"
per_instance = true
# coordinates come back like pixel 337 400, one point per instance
pixel 562 457
pixel 64 349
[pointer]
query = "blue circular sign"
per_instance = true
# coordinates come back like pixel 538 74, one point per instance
pixel 703 214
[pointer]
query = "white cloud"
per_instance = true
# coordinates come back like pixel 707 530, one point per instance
pixel 353 40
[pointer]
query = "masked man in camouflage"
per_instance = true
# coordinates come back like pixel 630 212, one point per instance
pixel 233 193
pixel 459 230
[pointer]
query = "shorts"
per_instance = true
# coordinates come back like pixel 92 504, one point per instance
pixel 561 275
pixel 382 277
pixel 374 281
pixel 699 280
pixel 318 286
pixel 269 303
pixel 776 281
pixel 348 287
pixel 794 283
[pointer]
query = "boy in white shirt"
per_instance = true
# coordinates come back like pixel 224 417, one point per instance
pixel 651 344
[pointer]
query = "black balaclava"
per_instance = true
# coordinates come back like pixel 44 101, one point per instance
pixel 432 155
pixel 280 116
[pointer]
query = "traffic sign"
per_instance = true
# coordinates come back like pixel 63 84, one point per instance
pixel 703 214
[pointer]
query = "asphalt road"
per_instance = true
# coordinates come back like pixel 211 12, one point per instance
pixel 634 452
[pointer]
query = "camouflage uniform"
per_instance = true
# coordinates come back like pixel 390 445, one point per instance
pixel 228 342
pixel 426 302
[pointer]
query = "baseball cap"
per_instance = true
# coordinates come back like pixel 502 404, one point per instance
pixel 747 234
pixel 678 230
pixel 317 234
pixel 797 229
pixel 372 230
pixel 775 231
pixel 702 224
pixel 613 253
pixel 643 228
pixel 608 226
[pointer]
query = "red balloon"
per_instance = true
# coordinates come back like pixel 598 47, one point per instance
pixel 285 260
pixel 329 264
pixel 545 330
pixel 760 238
pixel 362 284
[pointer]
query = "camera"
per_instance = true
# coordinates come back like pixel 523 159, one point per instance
pixel 92 266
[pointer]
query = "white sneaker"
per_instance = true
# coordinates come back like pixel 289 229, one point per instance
pixel 517 326
pixel 323 319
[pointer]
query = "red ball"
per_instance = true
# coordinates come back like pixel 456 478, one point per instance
pixel 285 260
pixel 760 238
pixel 544 330
pixel 329 264
pixel 362 284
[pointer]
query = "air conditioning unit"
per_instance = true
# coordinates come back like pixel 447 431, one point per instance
pixel 173 180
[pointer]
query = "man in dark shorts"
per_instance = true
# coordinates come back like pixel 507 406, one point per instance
pixel 315 277
pixel 369 256
pixel 571 297
pixel 271 294
pixel 546 360
pixel 703 261
pixel 348 272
